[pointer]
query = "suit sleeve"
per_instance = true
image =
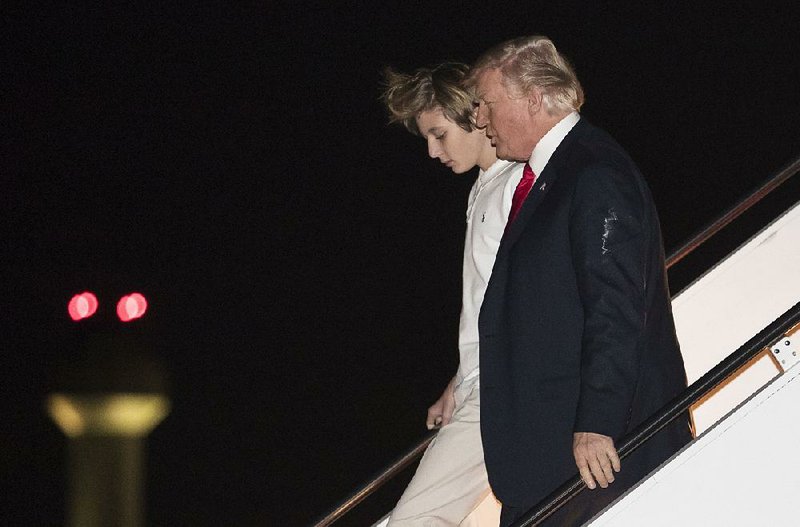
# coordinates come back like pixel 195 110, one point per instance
pixel 608 250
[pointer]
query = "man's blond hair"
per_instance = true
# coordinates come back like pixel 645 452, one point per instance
pixel 528 63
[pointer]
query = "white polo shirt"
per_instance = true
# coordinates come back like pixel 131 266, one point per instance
pixel 487 213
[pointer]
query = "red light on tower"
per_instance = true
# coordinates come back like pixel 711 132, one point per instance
pixel 82 306
pixel 131 307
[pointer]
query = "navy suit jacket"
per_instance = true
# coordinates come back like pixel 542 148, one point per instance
pixel 576 327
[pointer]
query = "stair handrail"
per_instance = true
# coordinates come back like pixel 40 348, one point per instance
pixel 712 228
pixel 680 404
pixel 733 212
pixel 375 483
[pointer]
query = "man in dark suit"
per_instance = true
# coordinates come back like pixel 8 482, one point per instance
pixel 577 340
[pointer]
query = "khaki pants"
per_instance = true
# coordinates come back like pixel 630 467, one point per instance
pixel 451 480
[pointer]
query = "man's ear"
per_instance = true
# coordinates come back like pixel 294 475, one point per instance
pixel 534 98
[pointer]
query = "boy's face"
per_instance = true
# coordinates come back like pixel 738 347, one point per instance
pixel 449 143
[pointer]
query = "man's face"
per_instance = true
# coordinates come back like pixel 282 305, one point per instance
pixel 449 143
pixel 509 118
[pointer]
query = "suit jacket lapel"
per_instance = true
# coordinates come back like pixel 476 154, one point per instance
pixel 541 186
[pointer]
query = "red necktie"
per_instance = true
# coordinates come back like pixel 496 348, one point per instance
pixel 521 192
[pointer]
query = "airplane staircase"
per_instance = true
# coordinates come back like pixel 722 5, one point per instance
pixel 743 467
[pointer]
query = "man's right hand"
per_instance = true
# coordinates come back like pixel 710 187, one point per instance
pixel 440 413
pixel 596 457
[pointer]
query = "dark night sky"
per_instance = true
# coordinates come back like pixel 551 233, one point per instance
pixel 302 258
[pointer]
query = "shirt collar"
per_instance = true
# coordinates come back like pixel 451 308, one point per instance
pixel 547 145
pixel 497 167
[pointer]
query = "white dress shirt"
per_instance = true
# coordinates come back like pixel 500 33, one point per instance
pixel 547 145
